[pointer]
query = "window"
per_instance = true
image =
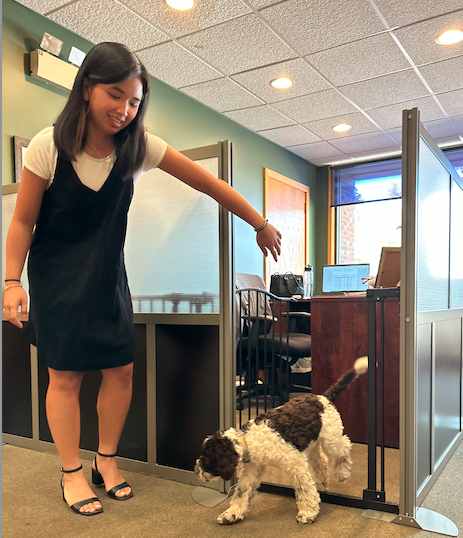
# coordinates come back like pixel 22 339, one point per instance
pixel 367 200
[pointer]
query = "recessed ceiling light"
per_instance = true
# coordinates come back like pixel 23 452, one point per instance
pixel 180 5
pixel 281 83
pixel 450 37
pixel 342 128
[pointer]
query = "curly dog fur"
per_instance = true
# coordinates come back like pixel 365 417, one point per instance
pixel 304 437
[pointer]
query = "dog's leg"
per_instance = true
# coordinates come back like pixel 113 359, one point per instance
pixel 318 464
pixel 339 456
pixel 240 503
pixel 307 497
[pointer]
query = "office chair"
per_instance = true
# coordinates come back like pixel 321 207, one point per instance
pixel 268 344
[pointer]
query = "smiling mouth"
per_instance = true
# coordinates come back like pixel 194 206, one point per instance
pixel 116 121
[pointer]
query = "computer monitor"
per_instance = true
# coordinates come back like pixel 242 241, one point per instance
pixel 389 268
pixel 345 278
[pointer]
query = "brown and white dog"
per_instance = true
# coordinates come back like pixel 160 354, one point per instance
pixel 304 437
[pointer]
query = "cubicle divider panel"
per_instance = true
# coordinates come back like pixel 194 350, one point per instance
pixel 431 314
pixel 16 382
pixel 187 391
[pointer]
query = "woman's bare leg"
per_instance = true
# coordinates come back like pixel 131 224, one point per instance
pixel 63 414
pixel 113 404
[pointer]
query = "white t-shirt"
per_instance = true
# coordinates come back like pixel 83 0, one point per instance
pixel 41 158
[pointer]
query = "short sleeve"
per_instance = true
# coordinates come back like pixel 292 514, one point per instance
pixel 41 154
pixel 155 151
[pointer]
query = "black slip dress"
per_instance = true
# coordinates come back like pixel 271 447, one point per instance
pixel 80 306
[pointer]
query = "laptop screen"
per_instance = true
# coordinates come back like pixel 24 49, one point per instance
pixel 340 278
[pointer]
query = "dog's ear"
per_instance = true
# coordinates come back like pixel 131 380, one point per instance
pixel 219 457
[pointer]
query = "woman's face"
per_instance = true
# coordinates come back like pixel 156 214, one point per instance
pixel 113 106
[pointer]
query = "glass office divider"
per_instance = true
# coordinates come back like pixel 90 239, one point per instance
pixel 431 322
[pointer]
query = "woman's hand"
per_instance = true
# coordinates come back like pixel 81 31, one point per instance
pixel 14 297
pixel 269 239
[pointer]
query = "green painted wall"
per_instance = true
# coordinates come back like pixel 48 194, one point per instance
pixel 30 105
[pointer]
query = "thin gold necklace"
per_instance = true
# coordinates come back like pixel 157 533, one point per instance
pixel 107 158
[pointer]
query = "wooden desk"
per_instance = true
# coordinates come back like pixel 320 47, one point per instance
pixel 339 336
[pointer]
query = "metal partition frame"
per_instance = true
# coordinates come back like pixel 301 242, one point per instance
pixel 412 489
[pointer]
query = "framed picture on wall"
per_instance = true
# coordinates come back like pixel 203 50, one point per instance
pixel 20 146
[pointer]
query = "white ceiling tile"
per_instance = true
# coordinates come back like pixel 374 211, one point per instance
pixel 222 94
pixel 106 20
pixel 367 142
pixel 259 4
pixel 452 102
pixel 323 128
pixel 396 134
pixel 440 128
pixel 444 76
pixel 290 136
pixel 419 40
pixel 360 60
pixel 458 122
pixel 305 80
pixel 319 24
pixel 318 150
pixel 42 6
pixel 315 106
pixel 238 45
pixel 259 118
pixel 386 90
pixel 176 23
pixel 175 66
pixel 389 117
pixel 400 12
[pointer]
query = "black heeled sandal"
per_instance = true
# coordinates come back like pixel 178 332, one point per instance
pixel 76 506
pixel 98 480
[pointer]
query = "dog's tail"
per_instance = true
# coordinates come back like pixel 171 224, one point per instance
pixel 360 367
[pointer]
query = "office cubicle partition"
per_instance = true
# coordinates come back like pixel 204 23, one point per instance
pixel 431 322
pixel 180 269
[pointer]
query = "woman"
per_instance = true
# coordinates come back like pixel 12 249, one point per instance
pixel 76 190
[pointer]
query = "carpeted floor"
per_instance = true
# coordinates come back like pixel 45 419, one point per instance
pixel 33 508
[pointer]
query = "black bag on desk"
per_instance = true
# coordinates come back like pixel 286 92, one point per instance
pixel 286 285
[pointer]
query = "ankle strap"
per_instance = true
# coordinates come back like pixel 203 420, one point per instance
pixel 106 455
pixel 73 470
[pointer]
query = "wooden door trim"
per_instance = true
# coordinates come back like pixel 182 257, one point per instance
pixel 270 174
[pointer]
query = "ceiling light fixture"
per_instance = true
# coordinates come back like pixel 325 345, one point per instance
pixel 450 37
pixel 180 5
pixel 342 128
pixel 281 83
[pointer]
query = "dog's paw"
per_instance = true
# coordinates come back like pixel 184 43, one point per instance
pixel 306 518
pixel 229 518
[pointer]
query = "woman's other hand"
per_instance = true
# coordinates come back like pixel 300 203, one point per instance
pixel 269 239
pixel 13 298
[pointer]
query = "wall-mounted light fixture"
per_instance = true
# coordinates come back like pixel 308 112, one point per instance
pixel 51 44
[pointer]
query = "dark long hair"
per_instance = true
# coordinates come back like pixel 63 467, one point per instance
pixel 106 63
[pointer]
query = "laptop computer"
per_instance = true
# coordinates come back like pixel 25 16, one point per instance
pixel 339 279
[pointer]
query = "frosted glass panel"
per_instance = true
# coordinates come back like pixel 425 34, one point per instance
pixel 433 232
pixel 456 253
pixel 8 203
pixel 172 245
